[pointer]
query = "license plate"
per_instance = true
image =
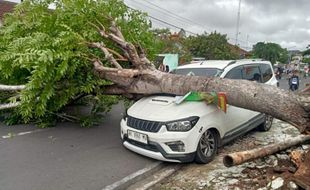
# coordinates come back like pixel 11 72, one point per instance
pixel 137 136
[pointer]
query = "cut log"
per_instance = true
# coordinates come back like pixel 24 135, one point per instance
pixel 245 156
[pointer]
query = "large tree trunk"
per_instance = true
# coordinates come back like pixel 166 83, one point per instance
pixel 281 104
pixel 145 79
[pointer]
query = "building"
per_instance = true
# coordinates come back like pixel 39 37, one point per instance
pixel 5 7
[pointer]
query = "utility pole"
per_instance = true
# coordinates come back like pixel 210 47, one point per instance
pixel 247 41
pixel 238 22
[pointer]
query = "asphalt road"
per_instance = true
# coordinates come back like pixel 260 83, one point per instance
pixel 66 156
pixel 284 82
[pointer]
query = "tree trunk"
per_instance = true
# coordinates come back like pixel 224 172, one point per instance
pixel 244 156
pixel 281 104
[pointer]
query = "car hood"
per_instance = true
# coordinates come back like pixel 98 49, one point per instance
pixel 164 108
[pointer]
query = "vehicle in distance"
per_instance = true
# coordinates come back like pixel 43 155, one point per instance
pixel 156 127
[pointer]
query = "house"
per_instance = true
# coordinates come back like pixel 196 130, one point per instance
pixel 5 7
pixel 239 51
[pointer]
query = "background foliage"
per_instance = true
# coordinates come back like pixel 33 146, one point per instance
pixel 210 46
pixel 270 51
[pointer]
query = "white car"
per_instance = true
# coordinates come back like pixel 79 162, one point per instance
pixel 156 127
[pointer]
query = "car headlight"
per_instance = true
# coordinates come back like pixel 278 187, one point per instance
pixel 183 124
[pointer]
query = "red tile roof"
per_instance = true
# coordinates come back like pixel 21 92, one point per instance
pixel 6 7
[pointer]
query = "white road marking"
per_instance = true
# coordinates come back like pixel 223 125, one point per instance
pixel 157 179
pixel 131 176
pixel 10 135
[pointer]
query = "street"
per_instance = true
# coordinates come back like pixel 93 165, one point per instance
pixel 66 156
pixel 284 82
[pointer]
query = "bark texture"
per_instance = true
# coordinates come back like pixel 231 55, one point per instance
pixel 143 78
pixel 245 156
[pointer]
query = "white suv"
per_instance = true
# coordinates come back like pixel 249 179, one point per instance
pixel 155 126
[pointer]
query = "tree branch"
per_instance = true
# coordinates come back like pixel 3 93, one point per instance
pixel 11 87
pixel 127 73
pixel 107 54
pixel 9 105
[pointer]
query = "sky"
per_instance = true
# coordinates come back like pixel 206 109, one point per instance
pixel 286 22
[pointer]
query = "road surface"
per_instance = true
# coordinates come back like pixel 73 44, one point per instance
pixel 66 156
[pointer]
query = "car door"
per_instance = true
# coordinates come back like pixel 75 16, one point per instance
pixel 251 72
pixel 234 116
pixel 237 117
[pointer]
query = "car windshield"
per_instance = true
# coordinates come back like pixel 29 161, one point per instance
pixel 210 72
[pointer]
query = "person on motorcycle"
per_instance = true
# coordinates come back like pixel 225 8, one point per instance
pixel 294 81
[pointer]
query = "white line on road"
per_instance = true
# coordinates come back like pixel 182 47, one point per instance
pixel 10 135
pixel 131 176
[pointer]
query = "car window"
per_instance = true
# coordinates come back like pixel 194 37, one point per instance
pixel 251 72
pixel 210 72
pixel 235 73
pixel 266 72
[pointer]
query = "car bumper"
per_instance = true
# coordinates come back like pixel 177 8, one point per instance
pixel 156 147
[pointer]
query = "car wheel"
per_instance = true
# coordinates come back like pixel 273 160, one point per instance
pixel 266 126
pixel 207 147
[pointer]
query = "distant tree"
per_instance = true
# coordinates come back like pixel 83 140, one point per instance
pixel 210 46
pixel 307 52
pixel 306 60
pixel 270 51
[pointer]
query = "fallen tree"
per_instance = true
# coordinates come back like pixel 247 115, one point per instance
pixel 237 158
pixel 52 58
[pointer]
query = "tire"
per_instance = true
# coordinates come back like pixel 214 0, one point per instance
pixel 266 126
pixel 207 147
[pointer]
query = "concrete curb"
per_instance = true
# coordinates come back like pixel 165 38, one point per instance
pixel 156 178
pixel 135 177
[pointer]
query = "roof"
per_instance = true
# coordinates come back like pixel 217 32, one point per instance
pixel 6 7
pixel 221 64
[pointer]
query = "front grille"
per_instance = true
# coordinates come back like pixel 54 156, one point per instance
pixel 143 125
pixel 142 145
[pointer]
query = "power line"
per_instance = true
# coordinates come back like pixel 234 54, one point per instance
pixel 159 10
pixel 183 19
pixel 165 22
pixel 171 25
pixel 178 16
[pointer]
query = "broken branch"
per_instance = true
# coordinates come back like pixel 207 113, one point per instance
pixel 107 54
pixel 9 105
pixel 11 87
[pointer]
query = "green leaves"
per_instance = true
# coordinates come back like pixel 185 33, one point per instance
pixel 270 51
pixel 210 46
pixel 47 50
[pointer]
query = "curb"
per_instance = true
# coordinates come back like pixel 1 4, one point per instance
pixel 135 177
pixel 156 178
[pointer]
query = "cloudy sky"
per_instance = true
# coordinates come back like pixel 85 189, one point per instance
pixel 286 22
